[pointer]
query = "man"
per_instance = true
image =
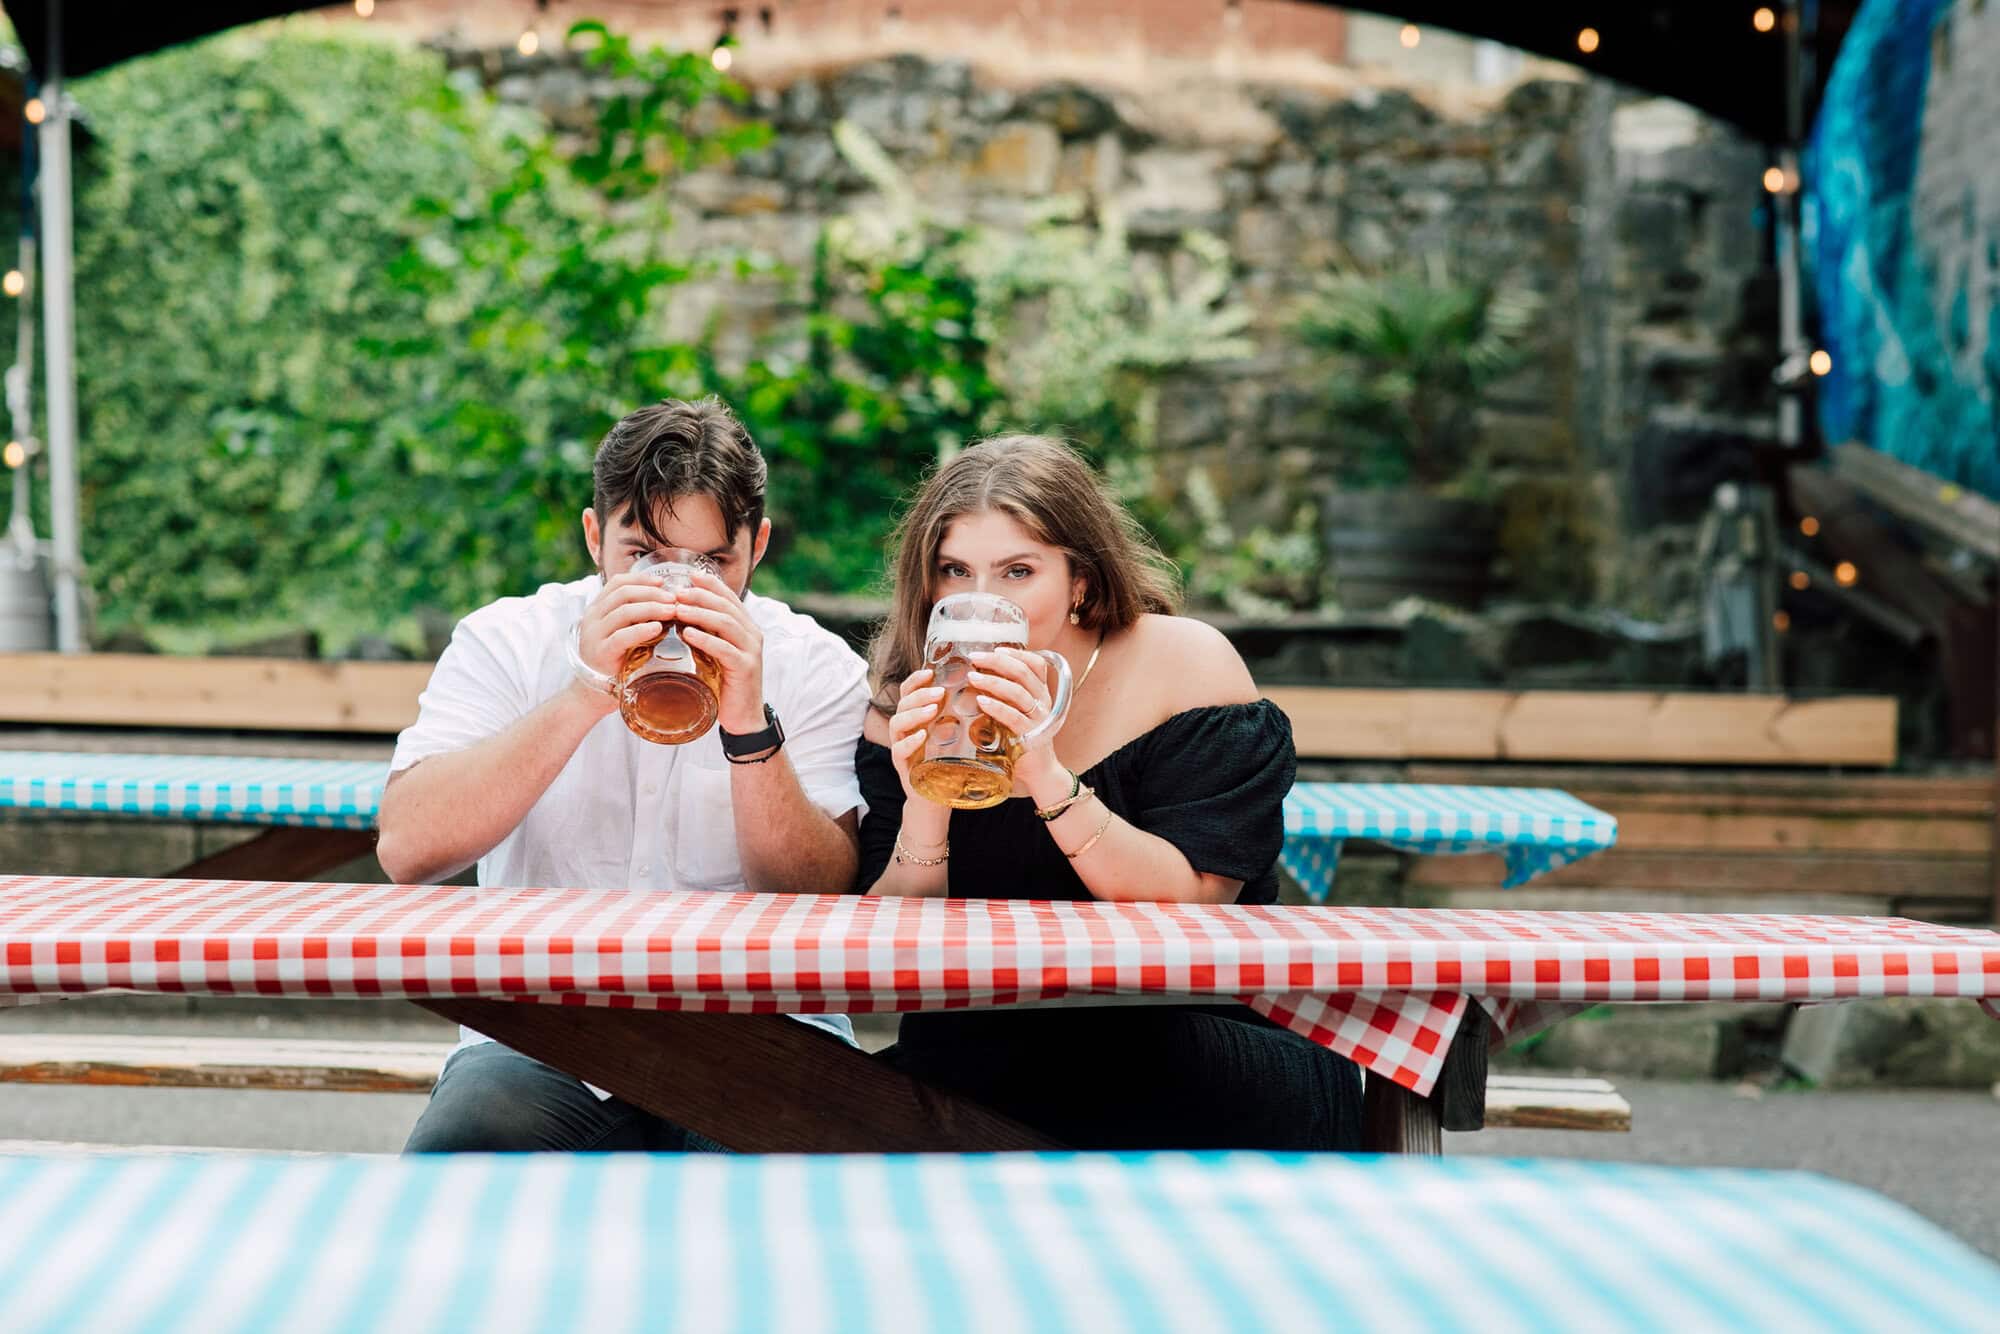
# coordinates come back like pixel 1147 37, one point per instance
pixel 519 761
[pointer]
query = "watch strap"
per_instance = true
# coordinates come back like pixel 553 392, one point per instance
pixel 740 745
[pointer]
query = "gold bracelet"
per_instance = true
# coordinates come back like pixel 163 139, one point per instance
pixel 911 859
pixel 1091 842
pixel 1078 791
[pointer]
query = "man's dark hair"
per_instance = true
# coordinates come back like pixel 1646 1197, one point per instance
pixel 678 448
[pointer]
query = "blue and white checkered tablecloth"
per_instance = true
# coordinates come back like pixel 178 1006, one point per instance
pixel 229 789
pixel 1535 830
pixel 1014 1242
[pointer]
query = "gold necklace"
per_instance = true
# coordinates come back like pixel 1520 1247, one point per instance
pixel 1078 688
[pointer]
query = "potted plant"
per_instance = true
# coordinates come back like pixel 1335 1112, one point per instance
pixel 1410 351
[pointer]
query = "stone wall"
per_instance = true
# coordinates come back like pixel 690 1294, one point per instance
pixel 1632 219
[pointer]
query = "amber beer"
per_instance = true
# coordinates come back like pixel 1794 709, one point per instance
pixel 968 759
pixel 668 691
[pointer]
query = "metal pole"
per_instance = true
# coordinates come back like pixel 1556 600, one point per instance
pixel 1791 273
pixel 59 338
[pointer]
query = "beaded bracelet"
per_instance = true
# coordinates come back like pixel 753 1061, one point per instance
pixel 911 859
pixel 1078 791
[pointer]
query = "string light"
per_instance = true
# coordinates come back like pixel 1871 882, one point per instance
pixel 721 57
pixel 1809 526
pixel 1776 180
pixel 35 110
pixel 1586 41
pixel 1845 574
pixel 529 43
pixel 1781 621
pixel 1764 19
pixel 16 453
pixel 14 283
pixel 365 8
pixel 1410 36
pixel 1799 581
pixel 1821 361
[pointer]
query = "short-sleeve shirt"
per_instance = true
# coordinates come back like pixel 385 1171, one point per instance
pixel 626 813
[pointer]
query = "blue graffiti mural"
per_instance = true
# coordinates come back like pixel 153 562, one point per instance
pixel 1912 375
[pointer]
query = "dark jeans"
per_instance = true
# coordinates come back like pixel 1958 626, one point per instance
pixel 492 1099
pixel 1142 1077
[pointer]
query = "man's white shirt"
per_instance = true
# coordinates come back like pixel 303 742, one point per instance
pixel 625 813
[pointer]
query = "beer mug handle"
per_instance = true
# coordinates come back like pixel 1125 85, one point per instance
pixel 1058 707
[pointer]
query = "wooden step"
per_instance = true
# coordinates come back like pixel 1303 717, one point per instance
pixel 1531 1102
pixel 236 1063
pixel 1514 1101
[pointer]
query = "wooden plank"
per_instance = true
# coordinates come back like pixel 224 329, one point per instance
pixel 1513 1083
pixel 1699 729
pixel 237 1063
pixel 1956 792
pixel 1953 512
pixel 1395 1120
pixel 1697 831
pixel 283 853
pixel 753 1083
pixel 1695 873
pixel 1543 1109
pixel 1599 726
pixel 146 690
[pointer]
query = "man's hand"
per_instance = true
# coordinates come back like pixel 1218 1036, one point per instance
pixel 715 621
pixel 630 610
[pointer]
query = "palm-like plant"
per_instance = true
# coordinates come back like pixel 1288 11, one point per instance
pixel 1411 352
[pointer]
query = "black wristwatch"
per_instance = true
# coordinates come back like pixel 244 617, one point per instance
pixel 739 747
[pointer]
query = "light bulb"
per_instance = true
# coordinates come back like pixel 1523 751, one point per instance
pixel 1410 36
pixel 1846 574
pixel 35 110
pixel 1781 621
pixel 1799 581
pixel 16 453
pixel 365 8
pixel 721 58
pixel 14 283
pixel 531 42
pixel 1774 180
pixel 1821 361
pixel 1764 19
pixel 1586 41
pixel 1809 526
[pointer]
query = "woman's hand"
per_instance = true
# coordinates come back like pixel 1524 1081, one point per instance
pixel 916 706
pixel 1013 690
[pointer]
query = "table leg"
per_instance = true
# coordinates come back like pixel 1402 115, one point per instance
pixel 753 1083
pixel 286 852
pixel 1397 1120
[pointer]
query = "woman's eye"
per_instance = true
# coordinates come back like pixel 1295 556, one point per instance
pixel 954 571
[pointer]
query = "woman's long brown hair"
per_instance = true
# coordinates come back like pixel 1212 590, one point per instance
pixel 1046 487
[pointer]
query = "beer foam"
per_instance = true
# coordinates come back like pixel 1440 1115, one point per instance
pixel 978 632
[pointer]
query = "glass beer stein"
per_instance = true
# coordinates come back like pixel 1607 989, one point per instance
pixel 667 691
pixel 968 759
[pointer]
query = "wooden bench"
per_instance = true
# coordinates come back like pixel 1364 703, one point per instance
pixel 117 1060
pixel 1895 845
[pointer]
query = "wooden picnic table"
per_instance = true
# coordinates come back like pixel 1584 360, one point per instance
pixel 674 1001
pixel 317 812
pixel 1195 1242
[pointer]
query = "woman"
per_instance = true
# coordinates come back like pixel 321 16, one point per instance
pixel 1164 782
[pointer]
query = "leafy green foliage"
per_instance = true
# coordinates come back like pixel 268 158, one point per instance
pixel 1410 351
pixel 349 331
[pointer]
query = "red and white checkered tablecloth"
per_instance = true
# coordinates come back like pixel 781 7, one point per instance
pixel 1385 986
